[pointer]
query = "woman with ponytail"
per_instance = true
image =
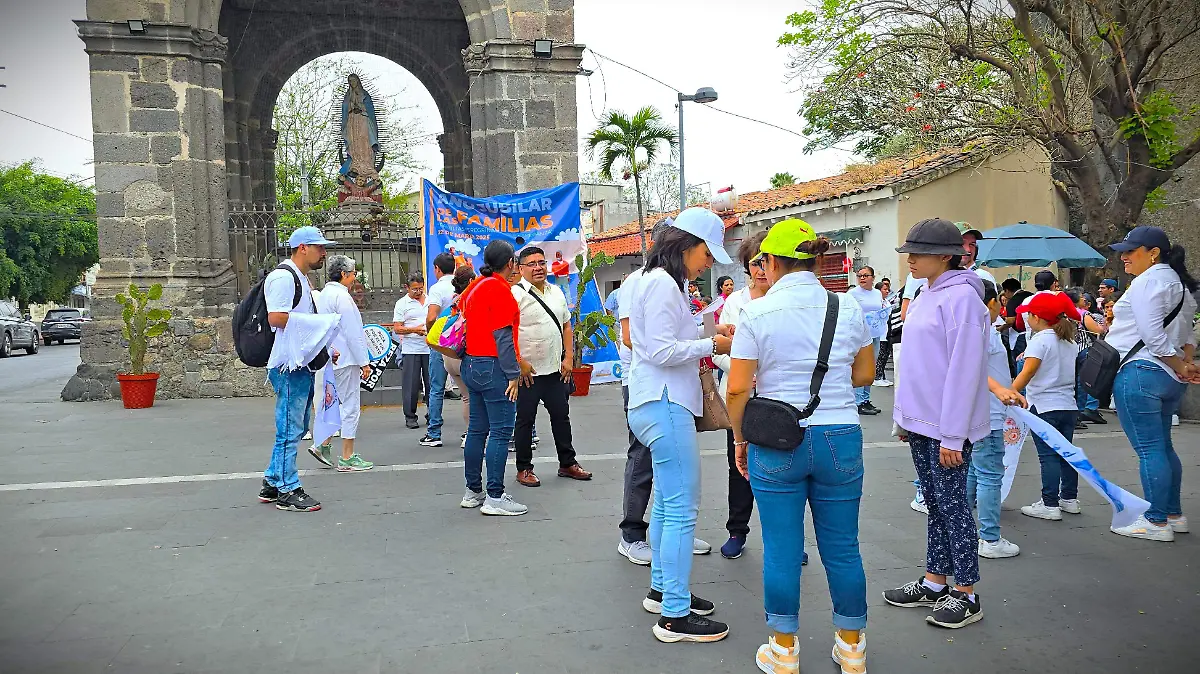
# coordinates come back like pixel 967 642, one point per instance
pixel 1152 330
pixel 491 369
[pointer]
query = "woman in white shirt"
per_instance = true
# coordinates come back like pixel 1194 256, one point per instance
pixel 353 359
pixel 869 300
pixel 775 352
pixel 1157 367
pixel 741 498
pixel 664 401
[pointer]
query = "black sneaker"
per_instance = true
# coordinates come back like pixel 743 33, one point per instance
pixel 1092 417
pixel 428 441
pixel 453 395
pixel 297 501
pixel 653 604
pixel 867 409
pixel 268 494
pixel 689 628
pixel 411 423
pixel 914 594
pixel 955 610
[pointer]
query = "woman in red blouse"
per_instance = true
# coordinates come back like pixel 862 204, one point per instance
pixel 491 370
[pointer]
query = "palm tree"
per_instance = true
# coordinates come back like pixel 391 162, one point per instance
pixel 782 180
pixel 619 138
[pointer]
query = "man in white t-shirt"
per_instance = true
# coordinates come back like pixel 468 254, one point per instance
pixel 440 296
pixel 287 292
pixel 408 321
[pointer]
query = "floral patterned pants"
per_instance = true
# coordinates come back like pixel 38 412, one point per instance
pixel 953 540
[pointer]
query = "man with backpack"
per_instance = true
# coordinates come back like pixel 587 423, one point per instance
pixel 288 294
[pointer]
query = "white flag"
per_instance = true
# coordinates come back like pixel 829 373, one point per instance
pixel 329 411
pixel 1126 507
pixel 1015 433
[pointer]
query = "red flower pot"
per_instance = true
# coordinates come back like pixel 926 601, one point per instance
pixel 137 390
pixel 583 379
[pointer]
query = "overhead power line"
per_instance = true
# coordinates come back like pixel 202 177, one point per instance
pixel 55 128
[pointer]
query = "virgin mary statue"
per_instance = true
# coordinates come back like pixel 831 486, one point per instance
pixel 360 133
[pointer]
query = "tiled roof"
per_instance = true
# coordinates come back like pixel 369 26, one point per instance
pixel 858 179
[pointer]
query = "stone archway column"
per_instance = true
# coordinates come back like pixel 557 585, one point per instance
pixel 157 114
pixel 523 116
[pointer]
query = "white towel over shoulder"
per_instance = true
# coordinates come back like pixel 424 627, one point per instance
pixel 303 338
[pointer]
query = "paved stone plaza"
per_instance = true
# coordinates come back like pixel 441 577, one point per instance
pixel 190 574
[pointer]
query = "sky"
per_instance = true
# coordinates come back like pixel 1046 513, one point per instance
pixel 708 43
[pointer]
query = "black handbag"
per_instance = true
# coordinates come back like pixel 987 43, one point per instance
pixel 776 424
pixel 1099 368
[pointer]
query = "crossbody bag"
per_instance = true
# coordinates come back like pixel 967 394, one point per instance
pixel 554 319
pixel 1099 368
pixel 776 424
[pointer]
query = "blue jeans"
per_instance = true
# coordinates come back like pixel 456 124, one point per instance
pixel 983 483
pixel 293 407
pixel 1083 400
pixel 826 472
pixel 437 392
pixel 492 417
pixel 1059 478
pixel 862 394
pixel 1146 398
pixel 669 430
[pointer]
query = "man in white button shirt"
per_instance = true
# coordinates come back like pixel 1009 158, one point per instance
pixel 409 323
pixel 545 339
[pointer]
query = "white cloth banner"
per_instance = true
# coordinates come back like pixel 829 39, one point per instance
pixel 1015 434
pixel 303 337
pixel 329 411
pixel 1126 507
pixel 877 322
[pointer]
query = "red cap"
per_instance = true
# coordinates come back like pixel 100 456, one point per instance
pixel 1049 306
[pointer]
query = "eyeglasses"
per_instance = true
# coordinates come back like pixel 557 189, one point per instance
pixel 866 276
pixel 536 265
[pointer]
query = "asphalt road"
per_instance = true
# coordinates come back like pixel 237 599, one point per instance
pixel 38 377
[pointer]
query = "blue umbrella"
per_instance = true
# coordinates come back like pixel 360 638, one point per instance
pixel 1029 245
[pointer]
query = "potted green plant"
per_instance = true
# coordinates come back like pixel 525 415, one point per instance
pixel 594 329
pixel 141 325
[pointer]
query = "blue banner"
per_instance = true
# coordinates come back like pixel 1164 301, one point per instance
pixel 549 219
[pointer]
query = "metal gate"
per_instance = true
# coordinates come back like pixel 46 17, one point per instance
pixel 385 243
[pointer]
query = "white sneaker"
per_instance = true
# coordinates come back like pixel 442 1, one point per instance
pixel 998 549
pixel 700 547
pixel 1070 505
pixel 881 383
pixel 463 444
pixel 307 435
pixel 919 506
pixel 1178 524
pixel 505 505
pixel 1042 511
pixel 1144 528
pixel 473 499
pixel 852 658
pixel 775 659
pixel 637 552
pixel 1174 419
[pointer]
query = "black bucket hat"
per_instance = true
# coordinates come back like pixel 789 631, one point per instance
pixel 933 236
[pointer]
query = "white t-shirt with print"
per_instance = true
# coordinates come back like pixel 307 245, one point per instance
pixel 1053 387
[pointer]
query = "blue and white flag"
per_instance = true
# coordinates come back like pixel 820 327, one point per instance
pixel 329 411
pixel 1126 507
pixel 877 322
pixel 1015 434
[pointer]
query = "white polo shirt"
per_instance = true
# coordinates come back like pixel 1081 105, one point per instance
pixel 782 331
pixel 540 336
pixel 410 313
pixel 441 293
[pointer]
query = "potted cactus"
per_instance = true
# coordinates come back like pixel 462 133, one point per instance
pixel 595 329
pixel 141 325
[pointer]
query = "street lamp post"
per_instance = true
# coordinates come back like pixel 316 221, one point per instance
pixel 702 95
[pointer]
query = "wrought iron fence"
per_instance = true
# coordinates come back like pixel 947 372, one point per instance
pixel 385 243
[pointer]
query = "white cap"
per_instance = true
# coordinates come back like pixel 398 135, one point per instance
pixel 705 224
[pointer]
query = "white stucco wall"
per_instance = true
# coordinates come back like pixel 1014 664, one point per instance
pixel 606 276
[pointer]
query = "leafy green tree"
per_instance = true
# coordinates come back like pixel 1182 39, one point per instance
pixel 633 143
pixel 782 180
pixel 1094 82
pixel 47 234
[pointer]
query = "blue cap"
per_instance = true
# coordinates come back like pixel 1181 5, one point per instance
pixel 308 236
pixel 1143 236
pixel 1110 282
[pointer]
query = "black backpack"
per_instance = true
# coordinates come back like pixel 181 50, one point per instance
pixel 252 335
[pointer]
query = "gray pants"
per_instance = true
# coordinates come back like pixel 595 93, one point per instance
pixel 639 482
pixel 415 379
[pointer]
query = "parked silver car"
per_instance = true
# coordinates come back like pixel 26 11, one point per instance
pixel 16 331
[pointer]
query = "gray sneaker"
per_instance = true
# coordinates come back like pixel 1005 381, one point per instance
pixel 505 505
pixel 700 547
pixel 637 552
pixel 473 499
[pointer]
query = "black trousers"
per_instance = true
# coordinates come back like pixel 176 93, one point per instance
pixel 415 379
pixel 551 390
pixel 885 354
pixel 741 498
pixel 639 484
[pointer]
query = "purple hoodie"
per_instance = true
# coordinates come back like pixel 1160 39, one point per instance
pixel 942 389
